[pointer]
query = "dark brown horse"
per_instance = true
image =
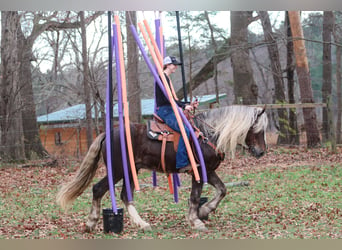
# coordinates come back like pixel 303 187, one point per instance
pixel 224 127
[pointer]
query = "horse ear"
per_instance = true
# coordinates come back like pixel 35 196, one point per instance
pixel 262 111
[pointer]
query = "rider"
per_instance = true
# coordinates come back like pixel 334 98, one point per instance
pixel 165 111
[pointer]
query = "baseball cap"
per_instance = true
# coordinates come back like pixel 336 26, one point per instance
pixel 171 60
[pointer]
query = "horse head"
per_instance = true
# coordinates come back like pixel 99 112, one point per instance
pixel 256 136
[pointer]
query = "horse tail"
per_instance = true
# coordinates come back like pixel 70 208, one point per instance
pixel 83 177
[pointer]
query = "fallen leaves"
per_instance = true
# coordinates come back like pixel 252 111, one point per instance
pixel 283 200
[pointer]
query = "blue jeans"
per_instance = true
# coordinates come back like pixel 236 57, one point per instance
pixel 169 117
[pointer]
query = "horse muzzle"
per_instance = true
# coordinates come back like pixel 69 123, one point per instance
pixel 256 152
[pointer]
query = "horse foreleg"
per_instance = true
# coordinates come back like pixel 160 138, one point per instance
pixel 193 218
pixel 132 212
pixel 136 219
pixel 221 191
pixel 99 190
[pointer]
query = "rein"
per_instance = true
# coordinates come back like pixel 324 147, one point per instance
pixel 191 117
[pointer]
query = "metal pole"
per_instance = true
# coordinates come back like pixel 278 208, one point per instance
pixel 109 117
pixel 181 55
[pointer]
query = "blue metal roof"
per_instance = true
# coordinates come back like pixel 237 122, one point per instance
pixel 78 112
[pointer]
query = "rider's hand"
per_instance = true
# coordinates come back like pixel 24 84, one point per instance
pixel 189 107
pixel 195 104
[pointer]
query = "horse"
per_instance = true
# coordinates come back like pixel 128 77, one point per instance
pixel 222 129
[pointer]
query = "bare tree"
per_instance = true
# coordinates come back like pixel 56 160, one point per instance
pixel 245 88
pixel 35 24
pixel 277 76
pixel 338 40
pixel 132 70
pixel 213 43
pixel 207 71
pixel 72 74
pixel 196 24
pixel 328 22
pixel 290 66
pixel 11 125
pixel 40 22
pixel 86 87
pixel 302 68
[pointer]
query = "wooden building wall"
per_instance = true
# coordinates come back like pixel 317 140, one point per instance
pixel 64 140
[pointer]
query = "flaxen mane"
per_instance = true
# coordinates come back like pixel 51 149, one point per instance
pixel 230 125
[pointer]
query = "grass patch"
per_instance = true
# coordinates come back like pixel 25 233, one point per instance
pixel 302 202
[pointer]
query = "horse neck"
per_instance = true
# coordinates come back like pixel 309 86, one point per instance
pixel 205 127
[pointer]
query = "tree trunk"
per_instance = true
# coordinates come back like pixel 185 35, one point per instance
pixel 328 20
pixel 33 145
pixel 11 130
pixel 213 43
pixel 273 52
pixel 86 84
pixel 132 70
pixel 302 67
pixel 337 39
pixel 245 89
pixel 294 133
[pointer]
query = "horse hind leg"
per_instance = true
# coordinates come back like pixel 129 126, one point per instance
pixel 210 206
pixel 99 190
pixel 131 210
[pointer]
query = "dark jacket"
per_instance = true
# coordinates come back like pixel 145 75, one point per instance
pixel 162 100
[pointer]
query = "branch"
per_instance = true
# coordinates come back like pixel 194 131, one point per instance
pixel 52 25
pixel 207 71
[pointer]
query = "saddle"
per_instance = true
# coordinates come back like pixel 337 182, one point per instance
pixel 157 129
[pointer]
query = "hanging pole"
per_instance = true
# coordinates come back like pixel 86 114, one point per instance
pixel 157 28
pixel 158 80
pixel 185 120
pixel 124 101
pixel 177 111
pixel 120 112
pixel 181 56
pixel 109 116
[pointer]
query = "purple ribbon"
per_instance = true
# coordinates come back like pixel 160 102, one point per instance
pixel 121 122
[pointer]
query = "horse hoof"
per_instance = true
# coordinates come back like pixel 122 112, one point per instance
pixel 88 229
pixel 202 229
pixel 199 225
pixel 147 227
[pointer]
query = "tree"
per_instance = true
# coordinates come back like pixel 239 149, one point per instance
pixel 86 84
pixel 277 76
pixel 35 24
pixel 41 22
pixel 214 44
pixel 337 39
pixel 328 20
pixel 294 133
pixel 245 88
pixel 11 121
pixel 207 71
pixel 302 68
pixel 197 22
pixel 132 70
